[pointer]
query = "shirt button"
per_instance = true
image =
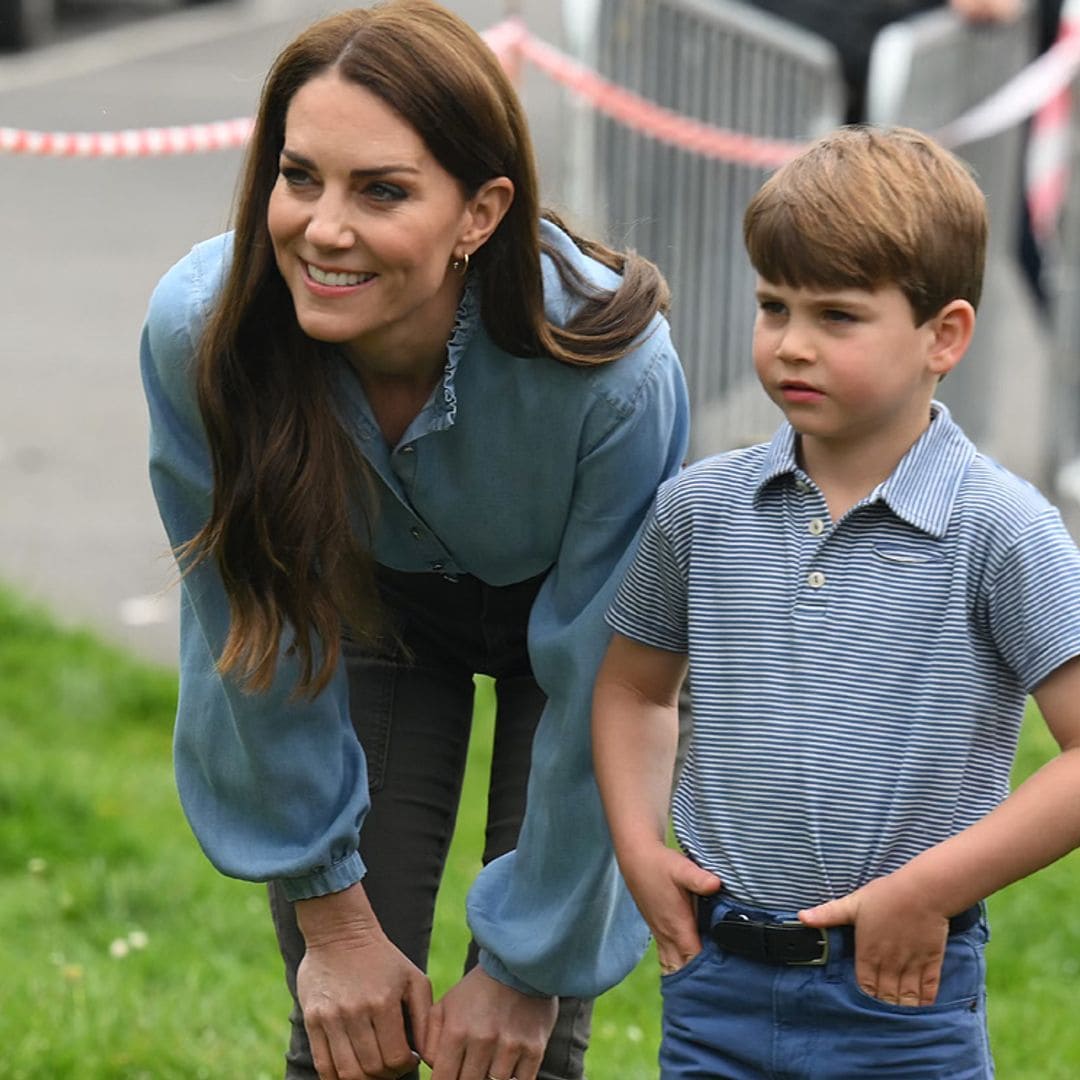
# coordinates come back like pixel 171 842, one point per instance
pixel 815 579
pixel 801 485
pixel 416 533
pixel 410 449
pixel 816 527
pixel 437 567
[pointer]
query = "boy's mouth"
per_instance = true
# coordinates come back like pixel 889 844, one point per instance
pixel 793 390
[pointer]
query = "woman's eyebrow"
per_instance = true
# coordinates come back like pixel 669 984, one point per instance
pixel 380 170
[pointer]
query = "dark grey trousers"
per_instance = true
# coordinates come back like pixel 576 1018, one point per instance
pixel 413 716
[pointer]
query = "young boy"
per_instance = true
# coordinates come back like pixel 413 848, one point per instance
pixel 865 603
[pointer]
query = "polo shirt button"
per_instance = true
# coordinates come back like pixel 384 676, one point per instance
pixel 410 449
pixel 801 485
pixel 416 533
pixel 438 567
pixel 815 579
pixel 816 526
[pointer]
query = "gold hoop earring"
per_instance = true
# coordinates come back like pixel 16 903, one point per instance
pixel 460 263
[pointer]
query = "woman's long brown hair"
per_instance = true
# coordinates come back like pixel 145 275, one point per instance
pixel 290 527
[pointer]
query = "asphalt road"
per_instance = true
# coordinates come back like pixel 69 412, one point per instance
pixel 84 243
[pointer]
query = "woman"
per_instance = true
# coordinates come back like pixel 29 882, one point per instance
pixel 399 402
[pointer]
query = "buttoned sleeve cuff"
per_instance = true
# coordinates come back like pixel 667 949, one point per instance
pixel 494 967
pixel 335 878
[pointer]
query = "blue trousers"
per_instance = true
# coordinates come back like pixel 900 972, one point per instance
pixel 727 1017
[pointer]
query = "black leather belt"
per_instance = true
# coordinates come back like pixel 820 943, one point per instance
pixel 793 942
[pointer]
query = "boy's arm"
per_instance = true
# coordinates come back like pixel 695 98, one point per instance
pixel 635 738
pixel 901 919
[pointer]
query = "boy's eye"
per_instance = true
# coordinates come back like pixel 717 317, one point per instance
pixel 835 315
pixel 771 307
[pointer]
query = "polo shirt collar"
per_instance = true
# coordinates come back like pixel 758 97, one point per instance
pixel 779 458
pixel 921 489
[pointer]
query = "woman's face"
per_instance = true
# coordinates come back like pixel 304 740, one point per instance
pixel 364 223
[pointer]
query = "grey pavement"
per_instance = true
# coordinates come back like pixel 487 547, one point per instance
pixel 84 242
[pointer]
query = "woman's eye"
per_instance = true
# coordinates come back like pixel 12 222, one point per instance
pixel 381 191
pixel 293 176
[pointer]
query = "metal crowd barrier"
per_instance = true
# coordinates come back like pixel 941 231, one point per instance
pixel 1062 277
pixel 925 72
pixel 742 69
pixel 733 67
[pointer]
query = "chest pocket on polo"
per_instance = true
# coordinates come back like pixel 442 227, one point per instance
pixel 902 556
pixel 899 596
pixel 914 578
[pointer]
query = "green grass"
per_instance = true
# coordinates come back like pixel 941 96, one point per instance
pixel 96 859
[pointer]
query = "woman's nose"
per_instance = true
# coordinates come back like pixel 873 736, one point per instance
pixel 329 226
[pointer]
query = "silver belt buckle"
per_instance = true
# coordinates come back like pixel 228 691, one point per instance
pixel 823 941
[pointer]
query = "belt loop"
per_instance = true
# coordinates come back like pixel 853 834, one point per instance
pixel 704 907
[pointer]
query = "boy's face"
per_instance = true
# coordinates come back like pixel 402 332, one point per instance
pixel 848 367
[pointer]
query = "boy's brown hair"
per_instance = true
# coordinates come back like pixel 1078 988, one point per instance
pixel 866 207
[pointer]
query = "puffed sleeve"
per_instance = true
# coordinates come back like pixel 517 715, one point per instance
pixel 272 788
pixel 554 916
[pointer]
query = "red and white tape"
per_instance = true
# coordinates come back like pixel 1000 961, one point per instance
pixel 1023 95
pixel 143 142
pixel 650 119
pixel 509 40
pixel 1047 160
pixel 503 39
pixel 1020 97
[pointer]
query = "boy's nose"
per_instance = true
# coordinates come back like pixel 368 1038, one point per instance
pixel 795 346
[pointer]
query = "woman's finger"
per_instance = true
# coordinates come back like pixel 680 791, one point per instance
pixel 320 1053
pixel 418 1001
pixel 388 1052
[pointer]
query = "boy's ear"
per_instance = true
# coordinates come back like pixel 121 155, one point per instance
pixel 952 328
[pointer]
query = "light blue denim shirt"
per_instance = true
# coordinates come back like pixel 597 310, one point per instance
pixel 514 467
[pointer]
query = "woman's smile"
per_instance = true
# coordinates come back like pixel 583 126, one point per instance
pixel 335 278
pixel 365 222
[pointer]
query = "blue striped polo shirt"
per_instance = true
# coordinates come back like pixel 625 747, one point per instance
pixel 858 685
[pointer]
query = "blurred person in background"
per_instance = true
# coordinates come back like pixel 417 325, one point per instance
pixel 1031 256
pixel 853 27
pixel 404 429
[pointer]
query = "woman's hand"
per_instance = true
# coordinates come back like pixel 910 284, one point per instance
pixel 485 1030
pixel 988 10
pixel 355 988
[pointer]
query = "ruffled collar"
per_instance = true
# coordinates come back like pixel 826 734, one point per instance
pixel 441 408
pixel 466 320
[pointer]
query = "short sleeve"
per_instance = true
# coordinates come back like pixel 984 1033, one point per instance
pixel 1034 600
pixel 650 605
